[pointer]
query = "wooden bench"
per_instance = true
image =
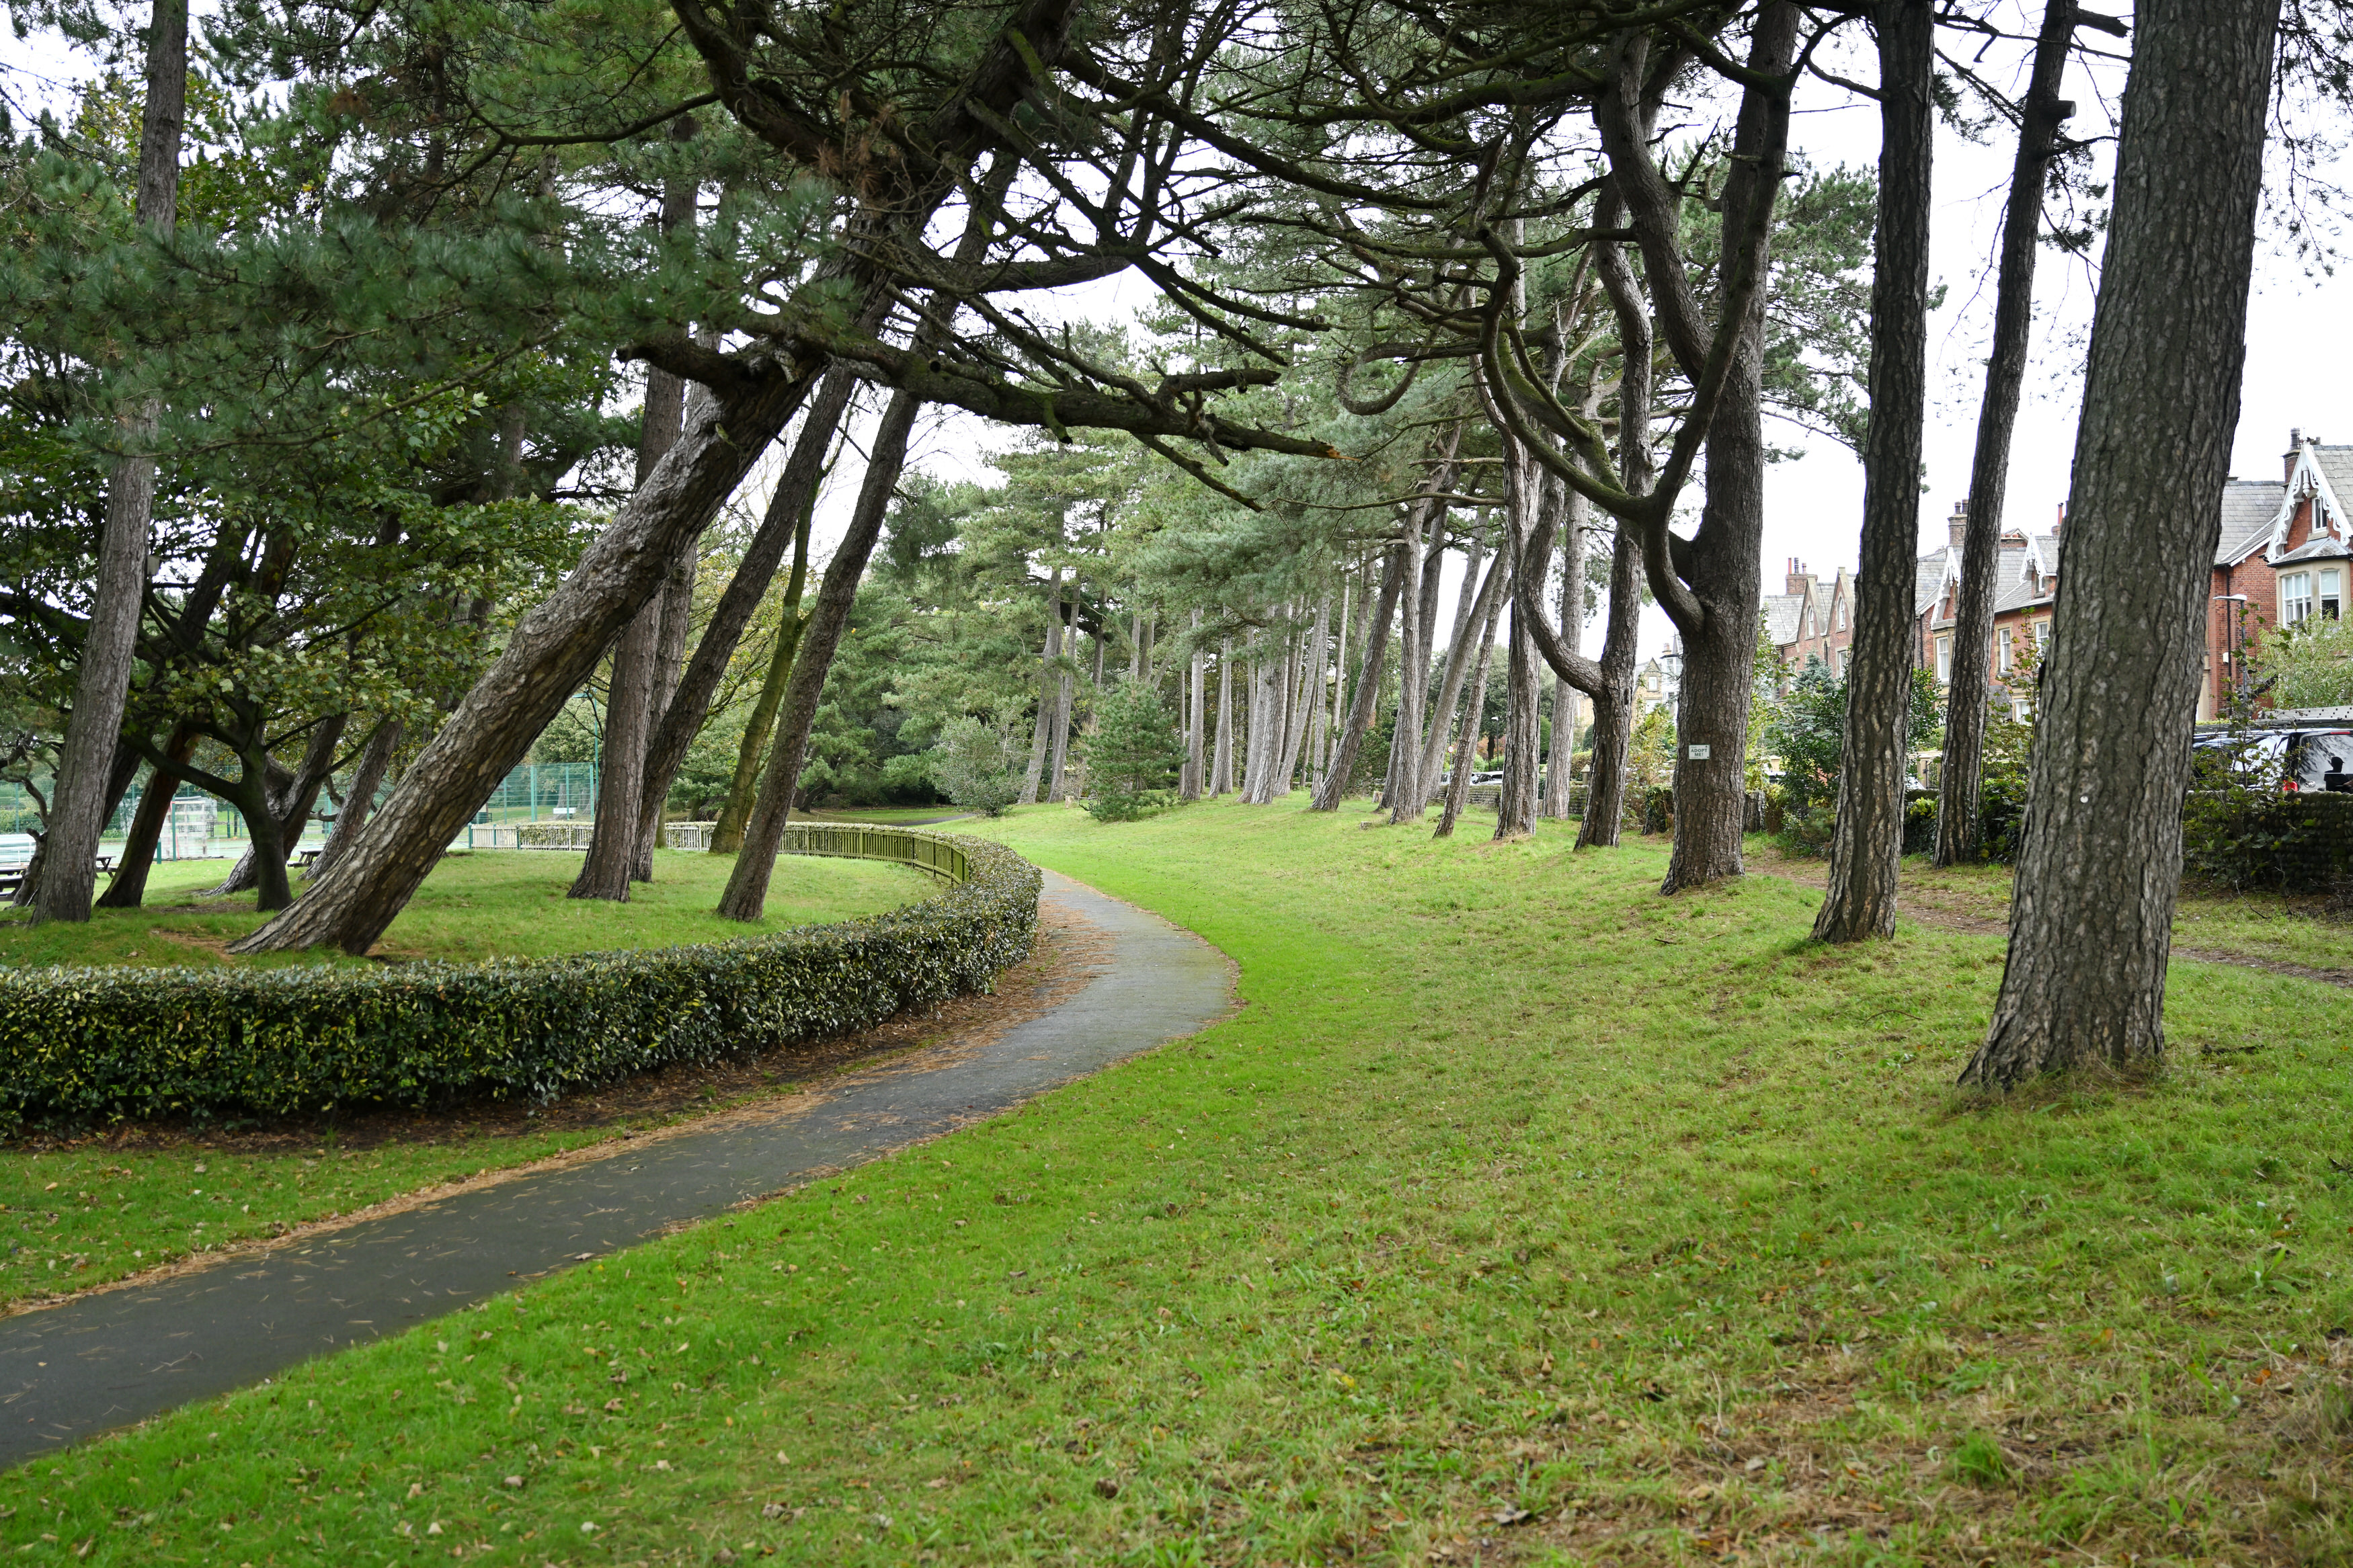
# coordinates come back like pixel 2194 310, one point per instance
pixel 308 858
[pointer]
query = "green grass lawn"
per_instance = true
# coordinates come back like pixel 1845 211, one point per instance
pixel 89 1212
pixel 1522 1215
pixel 477 905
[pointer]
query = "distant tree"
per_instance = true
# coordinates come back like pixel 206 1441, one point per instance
pixel 978 766
pixel 2310 664
pixel 1133 754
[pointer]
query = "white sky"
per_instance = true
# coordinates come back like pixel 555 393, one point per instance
pixel 1813 504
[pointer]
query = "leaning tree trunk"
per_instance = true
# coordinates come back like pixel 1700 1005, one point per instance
pixel 631 694
pixel 128 887
pixel 1457 783
pixel 367 777
pixel 1368 683
pixel 727 834
pixel 747 894
pixel 1469 605
pixel 1959 835
pixel 1613 703
pixel 784 523
pixel 68 871
pixel 1867 844
pixel 544 661
pixel 2091 919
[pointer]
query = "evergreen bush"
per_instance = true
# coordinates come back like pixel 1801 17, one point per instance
pixel 1133 756
pixel 978 766
pixel 84 1046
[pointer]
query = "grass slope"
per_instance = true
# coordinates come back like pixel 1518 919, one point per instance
pixel 92 1212
pixel 478 905
pixel 1522 1216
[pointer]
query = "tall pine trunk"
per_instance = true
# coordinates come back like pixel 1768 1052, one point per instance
pixel 781 527
pixel 1457 786
pixel 1561 762
pixel 1368 683
pixel 1867 844
pixel 1041 736
pixel 727 833
pixel 1516 803
pixel 747 894
pixel 1468 607
pixel 2092 916
pixel 1221 768
pixel 1959 838
pixel 77 812
pixel 632 693
pixel 1194 727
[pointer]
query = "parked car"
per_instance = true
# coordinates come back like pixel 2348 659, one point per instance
pixel 2292 759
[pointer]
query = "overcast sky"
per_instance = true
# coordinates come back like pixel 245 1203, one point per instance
pixel 1813 504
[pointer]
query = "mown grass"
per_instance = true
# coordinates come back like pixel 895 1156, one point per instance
pixel 2272 927
pixel 93 1211
pixel 1521 1215
pixel 477 904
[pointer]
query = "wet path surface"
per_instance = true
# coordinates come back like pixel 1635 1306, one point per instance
pixel 118 1356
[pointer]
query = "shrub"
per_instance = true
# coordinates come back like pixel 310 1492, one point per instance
pixel 78 1046
pixel 1919 826
pixel 1133 756
pixel 978 766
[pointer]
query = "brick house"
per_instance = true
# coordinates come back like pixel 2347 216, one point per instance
pixel 2283 556
pixel 2026 579
pixel 1811 618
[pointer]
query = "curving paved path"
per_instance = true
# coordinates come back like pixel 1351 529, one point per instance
pixel 119 1356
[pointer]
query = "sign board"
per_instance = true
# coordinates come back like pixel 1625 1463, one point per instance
pixel 1697 753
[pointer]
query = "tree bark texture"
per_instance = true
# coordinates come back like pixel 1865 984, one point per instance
pixel 128 887
pixel 1195 729
pixel 1560 764
pixel 782 526
pixel 1406 797
pixel 1958 837
pixel 1515 803
pixel 1221 766
pixel 291 794
pixel 1867 844
pixel 631 693
pixel 77 811
pixel 1369 681
pixel 359 801
pixel 1468 607
pixel 2092 916
pixel 1041 737
pixel 1723 588
pixel 1458 785
pixel 743 787
pixel 747 894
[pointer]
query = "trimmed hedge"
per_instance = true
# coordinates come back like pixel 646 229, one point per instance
pixel 85 1045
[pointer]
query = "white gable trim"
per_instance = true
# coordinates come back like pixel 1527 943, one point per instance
pixel 2328 512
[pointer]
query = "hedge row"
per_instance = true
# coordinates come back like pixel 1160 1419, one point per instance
pixel 85 1045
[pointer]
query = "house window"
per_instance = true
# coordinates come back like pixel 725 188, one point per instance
pixel 2020 710
pixel 2001 650
pixel 2295 597
pixel 2331 597
pixel 1838 661
pixel 2041 635
pixel 1945 660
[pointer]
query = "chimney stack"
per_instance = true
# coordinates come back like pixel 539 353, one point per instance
pixel 1960 522
pixel 2060 526
pixel 2294 447
pixel 1800 579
